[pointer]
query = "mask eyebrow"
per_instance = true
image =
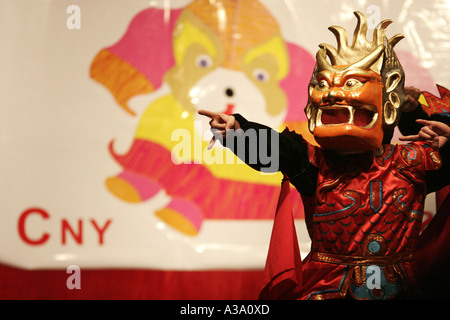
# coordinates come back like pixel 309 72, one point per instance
pixel 325 74
pixel 360 74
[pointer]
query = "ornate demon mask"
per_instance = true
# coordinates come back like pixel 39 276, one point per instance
pixel 355 99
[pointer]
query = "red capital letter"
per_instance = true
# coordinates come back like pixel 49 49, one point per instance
pixel 100 230
pixel 21 226
pixel 66 226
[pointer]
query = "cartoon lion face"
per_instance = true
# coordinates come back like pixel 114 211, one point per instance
pixel 230 70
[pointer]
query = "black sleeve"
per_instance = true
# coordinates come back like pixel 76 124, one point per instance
pixel 437 179
pixel 267 150
pixel 407 123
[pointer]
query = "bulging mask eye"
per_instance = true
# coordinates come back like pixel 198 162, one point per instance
pixel 322 85
pixel 352 84
pixel 204 61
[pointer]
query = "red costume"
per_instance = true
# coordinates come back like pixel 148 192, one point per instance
pixel 366 211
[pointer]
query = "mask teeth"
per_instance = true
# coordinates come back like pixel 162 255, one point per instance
pixel 312 123
pixel 319 118
pixel 351 110
pixel 374 120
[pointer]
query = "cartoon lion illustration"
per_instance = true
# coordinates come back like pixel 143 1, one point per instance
pixel 227 57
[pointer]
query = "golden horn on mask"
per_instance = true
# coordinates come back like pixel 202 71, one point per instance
pixel 368 61
pixel 322 62
pixel 362 53
pixel 364 63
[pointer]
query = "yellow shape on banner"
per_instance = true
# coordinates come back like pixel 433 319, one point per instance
pixel 274 47
pixel 186 36
pixel 165 116
pixel 123 189
pixel 177 221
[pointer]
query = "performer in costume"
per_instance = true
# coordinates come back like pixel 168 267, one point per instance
pixel 363 197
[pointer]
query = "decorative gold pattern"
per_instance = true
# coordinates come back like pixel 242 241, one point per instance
pixel 361 260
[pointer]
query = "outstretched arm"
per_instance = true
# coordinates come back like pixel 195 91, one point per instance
pixel 255 144
pixel 288 148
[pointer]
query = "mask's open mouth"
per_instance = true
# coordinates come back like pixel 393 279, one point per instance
pixel 364 117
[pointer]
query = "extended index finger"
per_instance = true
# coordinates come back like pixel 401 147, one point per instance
pixel 208 113
pixel 425 122
pixel 414 137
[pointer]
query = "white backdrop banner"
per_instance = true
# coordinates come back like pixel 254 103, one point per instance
pixel 104 160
